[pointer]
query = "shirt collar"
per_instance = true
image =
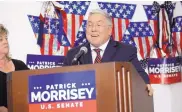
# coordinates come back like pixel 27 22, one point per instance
pixel 102 47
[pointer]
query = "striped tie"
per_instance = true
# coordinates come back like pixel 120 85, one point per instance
pixel 98 57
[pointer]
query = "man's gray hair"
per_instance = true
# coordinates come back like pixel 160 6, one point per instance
pixel 104 13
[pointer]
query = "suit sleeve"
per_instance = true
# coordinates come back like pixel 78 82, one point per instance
pixel 67 59
pixel 137 65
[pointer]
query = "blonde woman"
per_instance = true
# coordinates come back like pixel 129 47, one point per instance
pixel 7 65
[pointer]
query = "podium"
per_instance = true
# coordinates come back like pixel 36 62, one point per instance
pixel 113 87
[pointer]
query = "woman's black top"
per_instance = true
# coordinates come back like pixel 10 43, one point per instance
pixel 19 65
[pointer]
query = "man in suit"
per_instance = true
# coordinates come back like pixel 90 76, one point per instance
pixel 101 48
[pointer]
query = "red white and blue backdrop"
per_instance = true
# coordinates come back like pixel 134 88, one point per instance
pixel 61 26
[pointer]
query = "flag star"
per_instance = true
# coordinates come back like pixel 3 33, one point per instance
pixel 176 24
pixel 45 26
pixel 179 28
pixel 128 12
pixel 147 28
pixel 57 22
pixel 79 11
pixel 80 35
pixel 133 29
pixel 135 25
pixel 137 33
pixel 64 42
pixel 142 24
pixel 80 43
pixel 66 6
pixel 146 7
pixel 179 19
pixel 144 33
pixel 153 16
pixel 127 37
pixel 32 19
pixel 86 3
pixel 131 7
pixel 109 5
pixel 110 14
pixel 153 8
pixel 116 6
pixel 74 6
pixel 83 7
pixel 53 26
pixel 101 5
pixel 140 29
pixel 70 10
pixel 78 2
pixel 117 14
pixel 130 42
pixel 149 12
pixel 121 10
pixel 49 30
pixel 84 40
pixel 171 10
pixel 70 2
pixel 124 15
pixel 124 6
pixel 35 24
pixel 113 10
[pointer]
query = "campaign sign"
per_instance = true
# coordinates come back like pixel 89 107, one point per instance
pixel 164 70
pixel 63 92
pixel 44 61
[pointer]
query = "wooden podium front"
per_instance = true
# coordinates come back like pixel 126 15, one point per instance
pixel 119 88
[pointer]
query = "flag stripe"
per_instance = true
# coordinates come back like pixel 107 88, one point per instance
pixel 148 46
pixel 120 29
pixel 140 47
pixel 113 29
pixel 73 30
pixel 144 46
pixel 116 28
pixel 51 44
pixel 66 32
pixel 43 44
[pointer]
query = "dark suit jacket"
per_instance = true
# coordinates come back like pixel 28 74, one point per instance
pixel 115 51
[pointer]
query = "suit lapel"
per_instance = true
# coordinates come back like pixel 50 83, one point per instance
pixel 88 56
pixel 110 51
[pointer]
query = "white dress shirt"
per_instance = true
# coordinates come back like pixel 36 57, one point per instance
pixel 102 47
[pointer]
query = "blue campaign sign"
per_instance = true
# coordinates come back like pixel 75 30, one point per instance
pixel 44 61
pixel 62 87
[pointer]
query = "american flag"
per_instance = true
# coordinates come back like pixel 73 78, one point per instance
pixel 81 35
pixel 160 45
pixel 75 12
pixel 121 15
pixel 52 38
pixel 153 21
pixel 128 39
pixel 142 35
pixel 177 34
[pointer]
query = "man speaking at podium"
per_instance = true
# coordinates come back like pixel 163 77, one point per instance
pixel 101 48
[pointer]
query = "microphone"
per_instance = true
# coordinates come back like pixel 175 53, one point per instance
pixel 83 50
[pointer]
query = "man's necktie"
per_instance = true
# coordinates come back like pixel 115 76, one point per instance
pixel 98 57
